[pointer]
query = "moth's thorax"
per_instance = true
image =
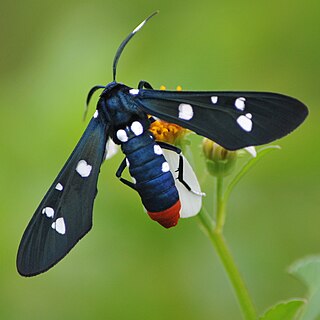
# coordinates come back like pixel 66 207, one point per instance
pixel 137 127
pixel 121 107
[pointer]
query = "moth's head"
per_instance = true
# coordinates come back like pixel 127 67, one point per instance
pixel 109 88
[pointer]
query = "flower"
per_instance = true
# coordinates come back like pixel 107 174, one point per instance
pixel 167 132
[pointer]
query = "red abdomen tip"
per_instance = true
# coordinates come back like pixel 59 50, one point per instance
pixel 167 218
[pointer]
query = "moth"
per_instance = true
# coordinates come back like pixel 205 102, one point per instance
pixel 161 175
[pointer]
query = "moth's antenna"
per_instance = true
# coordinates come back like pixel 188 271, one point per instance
pixel 125 41
pixel 89 96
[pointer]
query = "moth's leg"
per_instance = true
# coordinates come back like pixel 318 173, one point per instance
pixel 180 166
pixel 121 168
pixel 144 84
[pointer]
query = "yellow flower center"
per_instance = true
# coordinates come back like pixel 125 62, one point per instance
pixel 167 132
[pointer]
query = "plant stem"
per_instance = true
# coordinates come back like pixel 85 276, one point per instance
pixel 214 230
pixel 220 205
pixel 229 265
pixel 234 275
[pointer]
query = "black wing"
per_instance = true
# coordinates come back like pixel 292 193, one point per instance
pixel 232 119
pixel 65 214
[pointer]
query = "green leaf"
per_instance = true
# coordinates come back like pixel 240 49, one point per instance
pixel 308 271
pixel 286 310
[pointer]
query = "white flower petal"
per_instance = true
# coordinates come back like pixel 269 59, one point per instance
pixel 111 149
pixel 252 150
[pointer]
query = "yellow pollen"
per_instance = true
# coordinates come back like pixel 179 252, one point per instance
pixel 167 132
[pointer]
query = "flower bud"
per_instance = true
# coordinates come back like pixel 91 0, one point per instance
pixel 220 161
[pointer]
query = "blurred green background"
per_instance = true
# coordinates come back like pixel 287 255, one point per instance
pixel 128 267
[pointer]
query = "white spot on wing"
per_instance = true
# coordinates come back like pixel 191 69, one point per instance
pixel 240 103
pixel 245 122
pixel 59 226
pixel 185 111
pixel 48 211
pixel 83 168
pixel 134 92
pixel 137 128
pixel 127 162
pixel 95 115
pixel 122 135
pixel 157 149
pixel 59 187
pixel 139 26
pixel 165 167
pixel 214 99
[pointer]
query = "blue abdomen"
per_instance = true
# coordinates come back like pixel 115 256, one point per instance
pixel 147 165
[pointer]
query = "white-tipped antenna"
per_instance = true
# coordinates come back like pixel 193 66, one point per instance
pixel 125 41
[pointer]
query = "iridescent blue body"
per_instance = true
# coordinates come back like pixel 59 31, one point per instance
pixel 154 181
pixel 148 167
